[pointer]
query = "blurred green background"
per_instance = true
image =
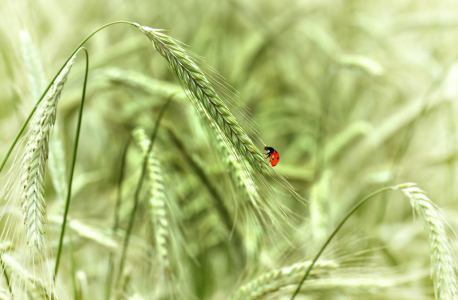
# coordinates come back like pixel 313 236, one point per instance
pixel 354 95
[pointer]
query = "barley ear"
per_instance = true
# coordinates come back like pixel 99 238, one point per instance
pixel 444 269
pixel 201 93
pixel 34 161
pixel 157 200
pixel 277 279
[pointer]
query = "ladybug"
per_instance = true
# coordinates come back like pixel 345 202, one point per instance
pixel 273 155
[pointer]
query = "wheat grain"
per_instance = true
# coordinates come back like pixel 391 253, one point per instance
pixel 443 263
pixel 274 280
pixel 200 91
pixel 34 161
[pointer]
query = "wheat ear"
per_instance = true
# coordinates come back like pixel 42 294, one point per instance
pixel 157 199
pixel 37 83
pixel 33 164
pixel 443 263
pixel 274 280
pixel 200 91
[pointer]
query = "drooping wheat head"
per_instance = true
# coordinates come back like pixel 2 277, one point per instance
pixel 37 84
pixel 34 161
pixel 88 233
pixel 444 269
pixel 200 91
pixel 35 73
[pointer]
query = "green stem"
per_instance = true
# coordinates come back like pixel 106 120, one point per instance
pixel 358 205
pixel 116 217
pixel 217 198
pixel 72 167
pixel 46 90
pixel 73 266
pixel 218 202
pixel 139 186
pixel 7 279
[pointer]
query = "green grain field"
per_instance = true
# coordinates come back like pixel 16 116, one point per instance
pixel 132 160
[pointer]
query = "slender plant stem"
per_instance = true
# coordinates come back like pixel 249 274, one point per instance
pixel 216 197
pixel 72 167
pixel 5 159
pixel 7 279
pixel 218 200
pixel 116 217
pixel 358 205
pixel 139 187
pixel 72 260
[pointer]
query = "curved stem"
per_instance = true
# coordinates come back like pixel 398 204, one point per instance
pixel 73 268
pixel 72 167
pixel 46 90
pixel 139 187
pixel 358 205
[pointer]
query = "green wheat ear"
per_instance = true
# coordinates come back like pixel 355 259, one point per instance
pixel 34 162
pixel 444 268
pixel 157 199
pixel 201 93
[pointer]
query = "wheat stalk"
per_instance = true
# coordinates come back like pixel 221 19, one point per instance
pixel 157 199
pixel 274 280
pixel 200 91
pixel 34 161
pixel 442 260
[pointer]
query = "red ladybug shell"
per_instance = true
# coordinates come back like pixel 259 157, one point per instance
pixel 274 158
